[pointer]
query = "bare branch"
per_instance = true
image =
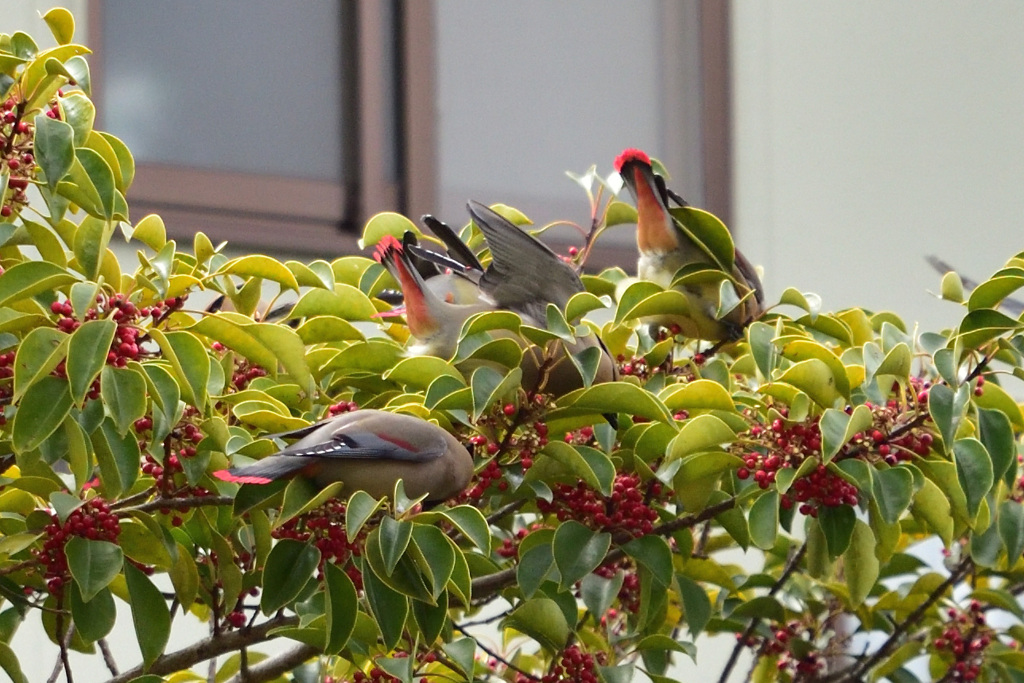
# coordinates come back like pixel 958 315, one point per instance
pixel 272 668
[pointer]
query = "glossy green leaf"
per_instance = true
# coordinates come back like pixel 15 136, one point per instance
pixel 578 550
pixel 837 523
pixel 93 564
pixel 893 489
pixel 1011 529
pixel 61 24
pixel 39 353
pixel 837 428
pixel 290 567
pixel 394 539
pixel 54 148
pixel 79 111
pixel 700 433
pixel 860 564
pixel 41 411
pixel 361 506
pixel 149 613
pixel 974 472
pixel 598 593
pixel 389 607
pixel 258 265
pixel 697 608
pixel 489 386
pixel 996 434
pixel 87 354
pixel 653 553
pixel 29 278
pixel 342 607
pixel 542 620
pixel 386 223
pixel 617 397
pixel 93 619
pixel 124 394
pixel 9 663
pixel 764 520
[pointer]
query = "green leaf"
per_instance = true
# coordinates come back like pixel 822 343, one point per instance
pixel 9 663
pixel 434 555
pixel 29 278
pixel 893 489
pixel 598 593
pixel 124 394
pixel 258 265
pixel 653 553
pixel 837 428
pixel 54 148
pixel 578 551
pixel 617 397
pixel 361 506
pixel 42 409
pixel 542 620
pixel 472 524
pixel 996 434
pixel 1011 529
pixel 342 607
pixel 150 615
pixel 698 434
pixel 389 607
pixel 290 567
pixel 974 472
pixel 39 353
pixel 764 520
pixel 61 23
pixel 861 565
pixel 696 604
pixel 151 232
pixel 394 539
pixel 814 378
pixel 838 524
pixel 946 409
pixel 536 565
pixel 79 111
pixel 489 386
pixel 190 361
pixel 93 619
pixel 118 457
pixel 87 354
pixel 93 564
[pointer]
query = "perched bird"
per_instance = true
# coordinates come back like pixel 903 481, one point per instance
pixel 368 450
pixel 524 276
pixel 666 245
pixel 434 319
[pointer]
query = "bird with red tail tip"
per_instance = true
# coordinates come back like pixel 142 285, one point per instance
pixel 368 450
pixel 434 322
pixel 667 245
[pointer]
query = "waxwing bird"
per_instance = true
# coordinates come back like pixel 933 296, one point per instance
pixel 525 276
pixel 666 246
pixel 368 450
pixel 434 321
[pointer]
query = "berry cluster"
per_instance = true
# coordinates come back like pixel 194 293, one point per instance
pixel 964 639
pixel 629 593
pixel 180 445
pixel 796 659
pixel 493 439
pixel 326 526
pixel 16 158
pixel 342 407
pixel 626 510
pixel 574 665
pixel 92 520
pixel 635 366
pixel 378 675
pixel 244 373
pixel 897 435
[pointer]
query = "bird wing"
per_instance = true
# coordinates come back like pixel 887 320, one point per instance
pixel 457 249
pixel 524 274
pixel 356 439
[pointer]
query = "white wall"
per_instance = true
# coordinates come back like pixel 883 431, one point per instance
pixel 868 134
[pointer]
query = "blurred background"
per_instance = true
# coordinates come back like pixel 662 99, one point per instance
pixel 841 142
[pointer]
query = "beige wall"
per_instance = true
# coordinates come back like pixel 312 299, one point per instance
pixel 868 134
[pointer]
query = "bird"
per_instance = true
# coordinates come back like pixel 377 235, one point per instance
pixel 368 450
pixel 524 276
pixel 667 245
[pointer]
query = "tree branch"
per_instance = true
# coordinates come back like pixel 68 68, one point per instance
pixel 857 670
pixel 272 668
pixel 179 503
pixel 791 566
pixel 211 647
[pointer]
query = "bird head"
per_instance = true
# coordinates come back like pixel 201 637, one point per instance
pixel 655 231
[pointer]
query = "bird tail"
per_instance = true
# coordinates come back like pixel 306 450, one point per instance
pixel 263 472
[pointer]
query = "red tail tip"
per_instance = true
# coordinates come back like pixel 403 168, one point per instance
pixel 387 244
pixel 631 154
pixel 225 475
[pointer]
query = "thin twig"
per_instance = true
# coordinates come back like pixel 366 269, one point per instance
pixel 108 656
pixel 495 655
pixel 179 503
pixel 791 566
pixel 62 660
